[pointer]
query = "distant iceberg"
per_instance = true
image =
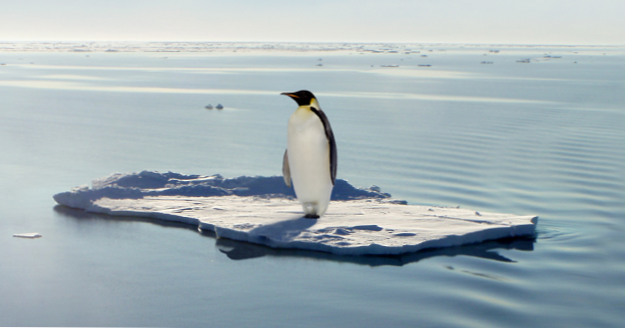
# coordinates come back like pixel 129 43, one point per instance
pixel 262 210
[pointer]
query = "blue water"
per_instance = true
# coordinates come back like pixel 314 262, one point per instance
pixel 544 138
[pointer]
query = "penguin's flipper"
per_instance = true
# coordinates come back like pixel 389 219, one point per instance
pixel 286 171
pixel 331 142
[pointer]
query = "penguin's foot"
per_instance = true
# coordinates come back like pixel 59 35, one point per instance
pixel 311 210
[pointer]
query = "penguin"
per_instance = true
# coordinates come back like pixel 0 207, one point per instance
pixel 310 159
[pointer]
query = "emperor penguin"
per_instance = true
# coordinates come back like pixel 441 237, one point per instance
pixel 310 157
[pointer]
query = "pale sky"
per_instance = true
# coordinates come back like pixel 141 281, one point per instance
pixel 576 22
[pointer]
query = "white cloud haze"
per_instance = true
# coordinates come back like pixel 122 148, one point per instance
pixel 446 21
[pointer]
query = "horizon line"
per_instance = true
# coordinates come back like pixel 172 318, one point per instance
pixel 320 42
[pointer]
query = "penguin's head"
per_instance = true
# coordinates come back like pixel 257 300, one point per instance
pixel 303 98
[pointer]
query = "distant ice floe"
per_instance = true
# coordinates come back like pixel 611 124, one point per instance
pixel 395 49
pixel 219 106
pixel 180 47
pixel 262 210
pixel 31 235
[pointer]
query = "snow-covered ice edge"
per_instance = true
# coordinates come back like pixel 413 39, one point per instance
pixel 262 210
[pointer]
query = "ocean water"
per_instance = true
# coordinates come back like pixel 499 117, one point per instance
pixel 543 138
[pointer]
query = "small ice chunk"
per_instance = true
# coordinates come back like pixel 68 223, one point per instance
pixel 28 235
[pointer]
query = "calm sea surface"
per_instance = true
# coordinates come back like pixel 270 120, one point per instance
pixel 544 138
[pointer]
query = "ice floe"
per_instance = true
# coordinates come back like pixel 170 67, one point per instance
pixel 28 235
pixel 262 210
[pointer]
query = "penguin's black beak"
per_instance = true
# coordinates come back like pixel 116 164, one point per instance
pixel 289 94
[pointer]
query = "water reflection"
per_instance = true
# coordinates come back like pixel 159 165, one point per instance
pixel 85 217
pixel 238 250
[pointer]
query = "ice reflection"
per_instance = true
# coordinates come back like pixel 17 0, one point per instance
pixel 237 250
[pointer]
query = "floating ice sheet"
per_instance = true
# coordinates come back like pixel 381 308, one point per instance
pixel 260 210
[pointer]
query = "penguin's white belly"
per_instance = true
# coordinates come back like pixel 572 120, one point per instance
pixel 309 161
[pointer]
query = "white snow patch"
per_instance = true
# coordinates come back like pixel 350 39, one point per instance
pixel 260 210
